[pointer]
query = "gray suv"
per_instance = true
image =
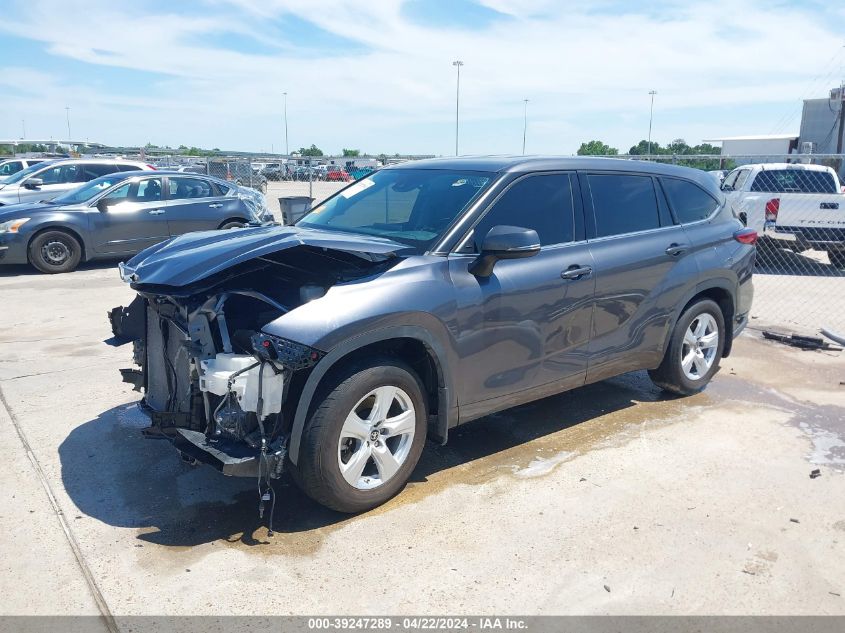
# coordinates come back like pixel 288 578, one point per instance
pixel 424 296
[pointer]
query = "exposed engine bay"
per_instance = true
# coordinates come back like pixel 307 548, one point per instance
pixel 214 384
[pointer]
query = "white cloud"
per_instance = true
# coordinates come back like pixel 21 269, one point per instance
pixel 585 67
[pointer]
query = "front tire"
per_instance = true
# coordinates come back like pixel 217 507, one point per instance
pixel 694 351
pixel 362 442
pixel 232 225
pixel 55 252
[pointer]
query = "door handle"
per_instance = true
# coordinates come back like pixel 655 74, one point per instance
pixel 215 205
pixel 676 249
pixel 828 205
pixel 576 272
pixel 156 212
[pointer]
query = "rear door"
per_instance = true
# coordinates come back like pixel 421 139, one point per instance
pixel 643 267
pixel 198 204
pixel 135 220
pixel 523 332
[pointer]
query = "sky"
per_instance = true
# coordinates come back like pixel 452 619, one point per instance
pixel 377 75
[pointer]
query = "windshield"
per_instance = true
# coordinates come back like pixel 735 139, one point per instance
pixel 23 174
pixel 89 189
pixel 410 206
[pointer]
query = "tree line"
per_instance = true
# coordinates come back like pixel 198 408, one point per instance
pixel 679 147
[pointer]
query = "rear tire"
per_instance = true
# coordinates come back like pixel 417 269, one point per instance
pixel 694 351
pixel 364 439
pixel 234 224
pixel 55 252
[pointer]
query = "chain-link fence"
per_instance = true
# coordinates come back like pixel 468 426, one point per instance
pixel 796 204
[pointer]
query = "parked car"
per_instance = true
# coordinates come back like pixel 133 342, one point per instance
pixel 274 171
pixel 336 174
pixel 14 165
pixel 238 172
pixel 422 297
pixel 48 179
pixel 793 206
pixel 304 172
pixel 719 175
pixel 120 214
pixel 360 172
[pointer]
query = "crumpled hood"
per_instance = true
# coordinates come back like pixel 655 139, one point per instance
pixel 183 260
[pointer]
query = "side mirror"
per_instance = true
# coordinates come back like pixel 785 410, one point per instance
pixel 504 242
pixel 103 204
pixel 32 183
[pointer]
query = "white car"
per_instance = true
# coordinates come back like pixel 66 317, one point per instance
pixel 791 205
pixel 48 179
pixel 14 165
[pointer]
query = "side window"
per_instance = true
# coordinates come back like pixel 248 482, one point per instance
pixel 149 190
pixel 689 201
pixel 121 193
pixel 220 190
pixel 9 168
pixel 89 172
pixel 543 203
pixel 623 203
pixel 741 177
pixel 181 188
pixel 60 174
pixel 729 183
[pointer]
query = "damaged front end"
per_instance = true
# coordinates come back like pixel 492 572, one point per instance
pixel 215 384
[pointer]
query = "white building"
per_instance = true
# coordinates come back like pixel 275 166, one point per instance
pixel 757 145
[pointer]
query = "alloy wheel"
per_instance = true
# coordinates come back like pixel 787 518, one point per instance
pixel 376 437
pixel 699 348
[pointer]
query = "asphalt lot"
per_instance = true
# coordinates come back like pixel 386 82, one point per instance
pixel 678 506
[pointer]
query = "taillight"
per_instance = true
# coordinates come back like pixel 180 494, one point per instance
pixel 772 208
pixel 746 236
pixel 152 166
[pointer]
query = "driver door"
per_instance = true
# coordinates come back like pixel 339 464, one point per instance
pixel 523 332
pixel 135 219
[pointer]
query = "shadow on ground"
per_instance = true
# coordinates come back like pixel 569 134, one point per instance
pixel 780 261
pixel 114 475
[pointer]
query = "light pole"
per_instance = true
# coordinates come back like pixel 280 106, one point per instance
pixel 287 150
pixel 23 127
pixel 457 63
pixel 524 123
pixel 67 114
pixel 650 117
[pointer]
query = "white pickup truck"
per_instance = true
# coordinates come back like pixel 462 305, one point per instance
pixel 791 205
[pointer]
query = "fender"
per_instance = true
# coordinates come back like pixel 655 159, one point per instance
pixel 56 223
pixel 722 283
pixel 446 415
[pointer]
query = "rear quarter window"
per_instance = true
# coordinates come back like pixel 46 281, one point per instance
pixel 689 201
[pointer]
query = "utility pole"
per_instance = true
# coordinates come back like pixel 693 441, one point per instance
pixel 23 127
pixel 457 63
pixel 650 117
pixel 841 125
pixel 67 114
pixel 287 150
pixel 524 124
